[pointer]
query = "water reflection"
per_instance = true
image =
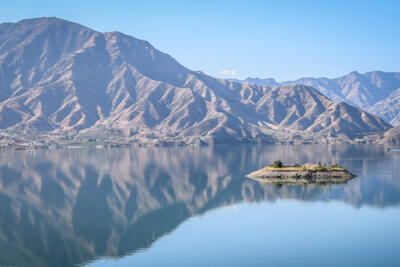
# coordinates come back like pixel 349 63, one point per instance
pixel 66 207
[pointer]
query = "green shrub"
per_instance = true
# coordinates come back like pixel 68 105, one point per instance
pixel 277 164
pixel 321 168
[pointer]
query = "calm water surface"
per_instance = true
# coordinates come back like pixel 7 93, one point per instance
pixel 192 206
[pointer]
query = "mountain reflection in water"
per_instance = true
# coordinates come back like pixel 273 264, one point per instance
pixel 66 207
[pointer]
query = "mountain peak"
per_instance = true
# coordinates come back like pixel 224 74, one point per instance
pixel 354 74
pixel 40 24
pixel 270 82
pixel 46 20
pixel 58 76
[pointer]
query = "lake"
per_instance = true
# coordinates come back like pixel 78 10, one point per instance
pixel 193 206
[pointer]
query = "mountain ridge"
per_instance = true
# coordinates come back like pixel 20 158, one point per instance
pixel 371 91
pixel 63 78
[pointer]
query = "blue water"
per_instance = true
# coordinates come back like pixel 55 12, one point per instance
pixel 285 233
pixel 193 206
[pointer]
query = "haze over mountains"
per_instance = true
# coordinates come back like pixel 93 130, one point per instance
pixel 63 78
pixel 376 92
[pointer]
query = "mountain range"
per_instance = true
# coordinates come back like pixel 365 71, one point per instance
pixel 376 92
pixel 61 78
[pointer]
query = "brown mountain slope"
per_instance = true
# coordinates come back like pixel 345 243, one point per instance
pixel 388 108
pixel 373 91
pixel 61 77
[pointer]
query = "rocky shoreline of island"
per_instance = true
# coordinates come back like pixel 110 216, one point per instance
pixel 309 173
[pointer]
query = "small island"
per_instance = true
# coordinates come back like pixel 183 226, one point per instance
pixel 308 173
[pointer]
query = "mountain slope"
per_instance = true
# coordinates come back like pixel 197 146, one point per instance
pixel 324 85
pixel 304 109
pixel 392 135
pixel 361 90
pixel 388 108
pixel 63 78
pixel 367 89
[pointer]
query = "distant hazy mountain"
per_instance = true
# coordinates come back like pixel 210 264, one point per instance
pixel 372 91
pixel 392 135
pixel 60 77
pixel 388 108
pixel 263 82
pixel 302 108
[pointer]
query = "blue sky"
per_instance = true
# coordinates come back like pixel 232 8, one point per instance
pixel 280 39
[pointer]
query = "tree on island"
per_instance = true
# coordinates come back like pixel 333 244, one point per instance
pixel 277 164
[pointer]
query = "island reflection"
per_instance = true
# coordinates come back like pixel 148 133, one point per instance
pixel 66 207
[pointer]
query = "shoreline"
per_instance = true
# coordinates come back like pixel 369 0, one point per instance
pixel 303 175
pixel 26 143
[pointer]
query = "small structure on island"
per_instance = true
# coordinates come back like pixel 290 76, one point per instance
pixel 309 173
